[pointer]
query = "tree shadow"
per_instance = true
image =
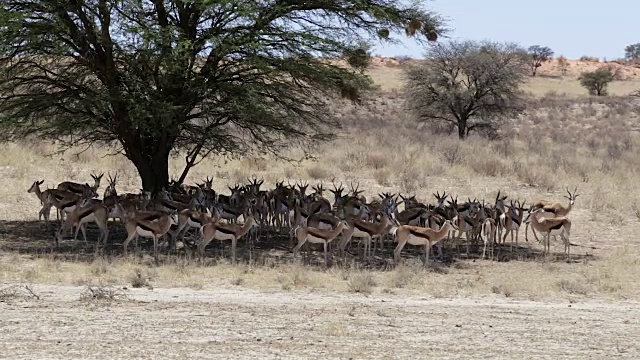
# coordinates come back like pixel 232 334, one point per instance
pixel 267 247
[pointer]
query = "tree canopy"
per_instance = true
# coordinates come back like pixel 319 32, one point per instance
pixel 632 52
pixel 538 55
pixel 202 76
pixel 596 81
pixel 470 85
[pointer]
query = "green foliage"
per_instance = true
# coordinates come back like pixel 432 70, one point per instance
pixel 472 86
pixel 155 77
pixel 538 55
pixel 632 52
pixel 596 82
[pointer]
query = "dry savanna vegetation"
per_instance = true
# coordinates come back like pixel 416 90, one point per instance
pixel 273 305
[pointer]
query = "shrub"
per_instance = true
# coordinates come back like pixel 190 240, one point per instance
pixel 361 282
pixel 589 58
pixel 563 65
pixel 596 81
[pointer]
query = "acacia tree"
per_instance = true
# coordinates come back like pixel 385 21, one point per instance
pixel 632 52
pixel 469 85
pixel 153 77
pixel 538 55
pixel 596 81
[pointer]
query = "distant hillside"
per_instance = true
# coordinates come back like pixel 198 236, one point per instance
pixel 388 73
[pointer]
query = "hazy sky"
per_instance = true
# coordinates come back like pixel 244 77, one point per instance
pixel 569 27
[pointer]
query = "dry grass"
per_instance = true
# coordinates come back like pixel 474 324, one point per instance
pixel 563 141
pixel 102 293
pixel 610 277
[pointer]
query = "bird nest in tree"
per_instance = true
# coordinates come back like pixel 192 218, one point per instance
pixel 426 28
pixel 384 33
pixel 358 58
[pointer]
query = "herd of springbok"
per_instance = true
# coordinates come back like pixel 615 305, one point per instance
pixel 305 217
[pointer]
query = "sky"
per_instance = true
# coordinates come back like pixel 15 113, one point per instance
pixel 570 28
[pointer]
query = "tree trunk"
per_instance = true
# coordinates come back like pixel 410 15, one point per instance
pixel 462 129
pixel 152 166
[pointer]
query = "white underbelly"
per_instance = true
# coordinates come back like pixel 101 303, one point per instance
pixel 324 226
pixel 357 233
pixel 87 219
pixel 144 233
pixel 556 232
pixel 315 240
pixel 223 236
pixel 415 240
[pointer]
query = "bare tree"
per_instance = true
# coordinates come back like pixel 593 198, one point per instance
pixel 470 85
pixel 538 55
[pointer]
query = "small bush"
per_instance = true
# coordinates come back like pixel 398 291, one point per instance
pixel 99 267
pixel 382 177
pixel 138 281
pixel 361 282
pixel 317 172
pixel 452 154
pixel 489 167
pixel 504 147
pixel 505 290
pixel 295 276
pixel 377 160
pixel 563 65
pixel 101 293
pixel 402 277
pixel 17 291
pixel 408 180
pixel 572 287
pixel 587 58
pixel 289 172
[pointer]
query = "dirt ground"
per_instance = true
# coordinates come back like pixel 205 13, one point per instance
pixel 235 323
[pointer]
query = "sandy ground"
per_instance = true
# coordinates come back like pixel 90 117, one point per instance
pixel 237 323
